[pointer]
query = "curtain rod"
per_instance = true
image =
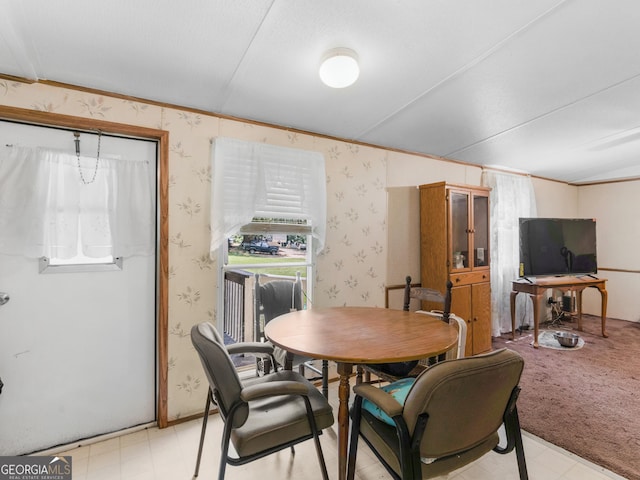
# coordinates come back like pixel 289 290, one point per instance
pixel 506 170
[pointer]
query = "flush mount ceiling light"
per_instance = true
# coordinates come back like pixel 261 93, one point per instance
pixel 339 68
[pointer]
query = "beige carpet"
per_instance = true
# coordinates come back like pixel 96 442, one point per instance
pixel 586 401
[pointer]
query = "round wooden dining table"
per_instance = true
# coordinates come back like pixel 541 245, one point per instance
pixel 357 335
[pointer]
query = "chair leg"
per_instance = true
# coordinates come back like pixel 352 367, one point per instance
pixel 267 365
pixel 205 418
pixel 355 434
pixel 323 372
pixel 323 464
pixel 514 435
pixel 225 447
pixel 353 441
pixel 288 361
pixel 325 379
pixel 522 464
pixel 316 438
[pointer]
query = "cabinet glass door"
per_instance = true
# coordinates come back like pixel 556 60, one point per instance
pixel 459 230
pixel 481 230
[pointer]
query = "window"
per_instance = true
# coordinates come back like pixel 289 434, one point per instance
pixel 268 211
pixel 273 249
pixel 80 232
pixel 276 247
pixel 48 213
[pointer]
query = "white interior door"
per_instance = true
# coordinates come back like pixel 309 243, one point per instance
pixel 77 349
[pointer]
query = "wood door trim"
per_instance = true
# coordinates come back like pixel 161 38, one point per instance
pixel 37 117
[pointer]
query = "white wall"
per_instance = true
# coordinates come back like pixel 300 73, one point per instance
pixel 404 174
pixel 555 199
pixel 614 206
pixel 403 205
pixel 412 170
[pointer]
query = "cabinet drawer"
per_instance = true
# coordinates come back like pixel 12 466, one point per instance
pixel 470 278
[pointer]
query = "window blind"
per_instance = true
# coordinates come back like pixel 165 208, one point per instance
pixel 259 180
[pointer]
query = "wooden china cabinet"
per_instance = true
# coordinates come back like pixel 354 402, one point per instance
pixel 454 245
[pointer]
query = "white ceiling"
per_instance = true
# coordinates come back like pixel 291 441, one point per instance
pixel 550 87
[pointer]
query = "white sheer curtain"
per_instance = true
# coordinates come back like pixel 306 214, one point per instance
pixel 512 196
pixel 45 208
pixel 259 180
pixel 24 184
pixel 131 207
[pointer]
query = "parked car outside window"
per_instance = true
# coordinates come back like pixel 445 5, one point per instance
pixel 260 247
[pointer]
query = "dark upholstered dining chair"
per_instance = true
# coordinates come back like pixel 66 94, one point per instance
pixel 262 416
pixel 450 417
pixel 272 299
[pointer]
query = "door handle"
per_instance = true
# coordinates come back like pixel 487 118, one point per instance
pixel 4 298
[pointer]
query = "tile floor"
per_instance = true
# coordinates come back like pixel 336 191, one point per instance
pixel 169 454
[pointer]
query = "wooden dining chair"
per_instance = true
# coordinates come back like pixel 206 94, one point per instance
pixel 391 372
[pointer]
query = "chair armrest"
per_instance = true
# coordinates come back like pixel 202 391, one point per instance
pixel 250 347
pixel 380 398
pixel 270 389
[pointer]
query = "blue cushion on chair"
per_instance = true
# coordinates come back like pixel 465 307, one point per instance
pixel 397 390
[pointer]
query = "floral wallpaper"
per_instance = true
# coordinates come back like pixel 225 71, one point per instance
pixel 350 270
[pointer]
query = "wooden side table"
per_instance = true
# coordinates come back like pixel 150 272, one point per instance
pixel 537 286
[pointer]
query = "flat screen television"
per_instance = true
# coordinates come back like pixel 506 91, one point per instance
pixel 557 246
